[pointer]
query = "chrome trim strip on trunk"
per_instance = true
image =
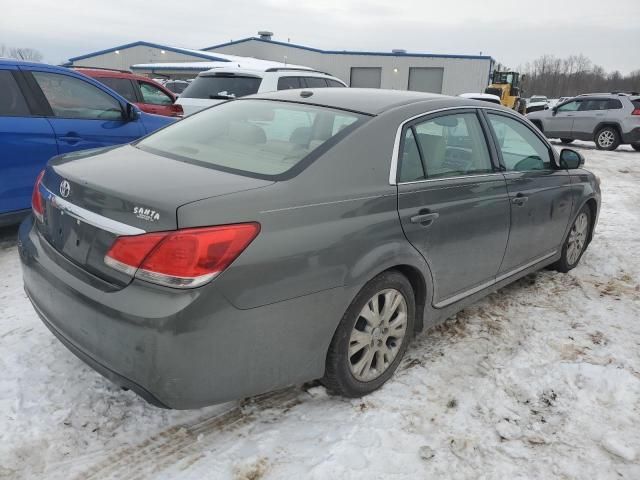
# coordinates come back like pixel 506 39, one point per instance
pixel 448 301
pixel 87 216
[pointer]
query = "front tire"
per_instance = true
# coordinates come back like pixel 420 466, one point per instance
pixel 576 242
pixel 372 336
pixel 607 138
pixel 566 140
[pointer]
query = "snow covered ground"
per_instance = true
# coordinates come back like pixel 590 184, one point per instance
pixel 540 380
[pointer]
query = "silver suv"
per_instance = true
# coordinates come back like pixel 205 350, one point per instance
pixel 608 119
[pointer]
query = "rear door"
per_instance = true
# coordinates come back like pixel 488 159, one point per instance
pixel 592 111
pixel 27 141
pixel 154 99
pixel 539 193
pixel 560 123
pixel 82 114
pixel 453 202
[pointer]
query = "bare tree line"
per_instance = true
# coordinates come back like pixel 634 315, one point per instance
pixel 20 53
pixel 565 77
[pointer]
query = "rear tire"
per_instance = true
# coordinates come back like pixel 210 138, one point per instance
pixel 566 140
pixel 636 146
pixel 607 138
pixel 576 242
pixel 368 345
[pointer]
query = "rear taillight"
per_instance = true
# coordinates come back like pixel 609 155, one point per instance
pixel 176 110
pixel 636 111
pixel 183 258
pixel 36 198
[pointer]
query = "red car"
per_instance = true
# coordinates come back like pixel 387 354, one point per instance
pixel 149 96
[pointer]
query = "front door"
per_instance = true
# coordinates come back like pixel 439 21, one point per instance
pixel 83 115
pixel 560 123
pixel 539 192
pixel 154 100
pixel 27 142
pixel 453 205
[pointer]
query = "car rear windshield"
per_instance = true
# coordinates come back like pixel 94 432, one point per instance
pixel 259 138
pixel 221 86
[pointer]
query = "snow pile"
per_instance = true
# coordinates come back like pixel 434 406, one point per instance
pixel 539 380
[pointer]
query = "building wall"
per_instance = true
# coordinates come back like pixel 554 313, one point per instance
pixel 461 75
pixel 134 55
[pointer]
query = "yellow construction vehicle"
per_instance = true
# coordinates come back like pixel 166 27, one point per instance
pixel 506 85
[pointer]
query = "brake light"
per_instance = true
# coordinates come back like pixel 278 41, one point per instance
pixel 184 258
pixel 636 111
pixel 37 204
pixel 176 110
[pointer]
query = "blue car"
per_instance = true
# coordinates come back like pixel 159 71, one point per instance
pixel 46 111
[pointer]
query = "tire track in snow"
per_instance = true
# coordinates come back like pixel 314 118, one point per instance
pixel 180 442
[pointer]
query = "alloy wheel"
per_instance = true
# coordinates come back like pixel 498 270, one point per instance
pixel 606 138
pixel 377 335
pixel 577 238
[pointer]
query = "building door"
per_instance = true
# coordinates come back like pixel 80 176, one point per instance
pixel 366 77
pixel 425 79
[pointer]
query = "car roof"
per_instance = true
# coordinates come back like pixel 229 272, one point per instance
pixel 23 63
pixel 105 72
pixel 270 70
pixel 372 101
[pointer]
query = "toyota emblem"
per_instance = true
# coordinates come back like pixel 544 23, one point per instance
pixel 65 189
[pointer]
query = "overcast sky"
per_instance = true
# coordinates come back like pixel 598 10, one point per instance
pixel 513 32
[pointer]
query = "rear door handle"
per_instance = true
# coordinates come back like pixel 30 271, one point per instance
pixel 519 199
pixel 425 218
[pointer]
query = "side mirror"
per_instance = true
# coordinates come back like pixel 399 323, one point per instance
pixel 554 110
pixel 131 113
pixel 570 159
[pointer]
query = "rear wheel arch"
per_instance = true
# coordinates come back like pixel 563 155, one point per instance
pixel 419 286
pixel 602 125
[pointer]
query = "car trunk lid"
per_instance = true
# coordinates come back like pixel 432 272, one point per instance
pixel 90 198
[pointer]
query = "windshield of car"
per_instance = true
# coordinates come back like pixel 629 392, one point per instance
pixel 177 87
pixel 221 86
pixel 255 137
pixel 538 99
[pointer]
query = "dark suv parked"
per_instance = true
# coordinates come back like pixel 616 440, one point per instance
pixel 608 119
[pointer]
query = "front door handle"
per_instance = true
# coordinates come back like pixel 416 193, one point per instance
pixel 70 138
pixel 425 218
pixel 519 199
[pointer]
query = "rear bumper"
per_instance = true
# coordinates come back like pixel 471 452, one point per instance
pixel 632 136
pixel 178 348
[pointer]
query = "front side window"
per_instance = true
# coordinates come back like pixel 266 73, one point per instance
pixel 121 85
pixel 569 107
pixel 153 95
pixel 521 149
pixel 71 97
pixel 222 87
pixel 12 103
pixel 452 145
pixel 255 137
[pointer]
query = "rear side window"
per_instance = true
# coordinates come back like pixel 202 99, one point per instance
pixel 287 83
pixel 411 168
pixel 594 104
pixel 12 103
pixel 123 86
pixel 71 97
pixel 453 145
pixel 315 82
pixel 219 86
pixel 614 104
pixel 334 83
pixel 255 137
